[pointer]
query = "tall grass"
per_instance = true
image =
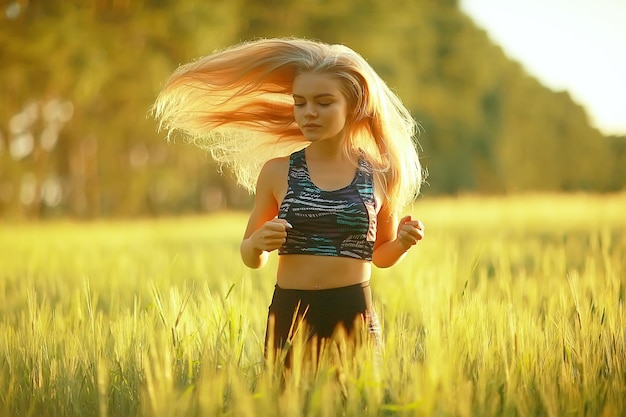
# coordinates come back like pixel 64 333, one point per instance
pixel 510 307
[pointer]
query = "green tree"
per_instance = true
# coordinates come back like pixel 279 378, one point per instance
pixel 487 126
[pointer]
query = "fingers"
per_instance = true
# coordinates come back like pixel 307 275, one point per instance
pixel 279 224
pixel 410 231
pixel 405 219
pixel 271 235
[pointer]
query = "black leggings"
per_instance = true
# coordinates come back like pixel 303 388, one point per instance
pixel 323 311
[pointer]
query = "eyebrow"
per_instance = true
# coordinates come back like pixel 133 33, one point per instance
pixel 317 96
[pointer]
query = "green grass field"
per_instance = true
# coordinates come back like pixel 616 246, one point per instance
pixel 509 307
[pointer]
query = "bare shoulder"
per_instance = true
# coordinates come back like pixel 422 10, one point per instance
pixel 273 177
pixel 277 165
pixel 274 170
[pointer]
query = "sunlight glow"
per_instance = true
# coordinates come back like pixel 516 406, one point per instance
pixel 573 45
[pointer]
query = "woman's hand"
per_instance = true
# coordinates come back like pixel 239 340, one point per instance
pixel 271 235
pixel 409 232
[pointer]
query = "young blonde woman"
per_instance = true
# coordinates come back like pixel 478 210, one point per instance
pixel 328 150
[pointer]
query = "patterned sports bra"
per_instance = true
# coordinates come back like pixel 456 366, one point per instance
pixel 329 223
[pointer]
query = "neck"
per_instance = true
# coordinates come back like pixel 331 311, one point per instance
pixel 327 149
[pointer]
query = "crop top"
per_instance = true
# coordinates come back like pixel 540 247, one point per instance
pixel 329 223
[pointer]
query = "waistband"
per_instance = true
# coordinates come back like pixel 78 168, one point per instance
pixel 360 285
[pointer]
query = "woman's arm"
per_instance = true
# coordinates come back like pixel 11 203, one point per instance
pixel 265 232
pixel 394 238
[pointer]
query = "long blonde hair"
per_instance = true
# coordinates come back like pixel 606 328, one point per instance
pixel 237 104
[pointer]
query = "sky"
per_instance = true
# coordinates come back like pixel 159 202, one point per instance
pixel 573 45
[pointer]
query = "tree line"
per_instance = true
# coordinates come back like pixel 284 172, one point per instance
pixel 77 79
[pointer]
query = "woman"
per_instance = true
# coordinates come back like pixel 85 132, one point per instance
pixel 329 151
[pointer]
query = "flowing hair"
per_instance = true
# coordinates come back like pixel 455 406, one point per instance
pixel 237 104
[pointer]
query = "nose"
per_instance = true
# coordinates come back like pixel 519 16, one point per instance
pixel 310 111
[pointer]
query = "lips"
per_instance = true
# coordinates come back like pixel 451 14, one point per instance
pixel 310 126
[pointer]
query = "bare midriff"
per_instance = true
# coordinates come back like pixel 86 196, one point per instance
pixel 313 272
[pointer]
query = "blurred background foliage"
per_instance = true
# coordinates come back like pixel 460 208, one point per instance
pixel 78 77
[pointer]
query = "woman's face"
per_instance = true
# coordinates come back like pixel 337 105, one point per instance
pixel 320 108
